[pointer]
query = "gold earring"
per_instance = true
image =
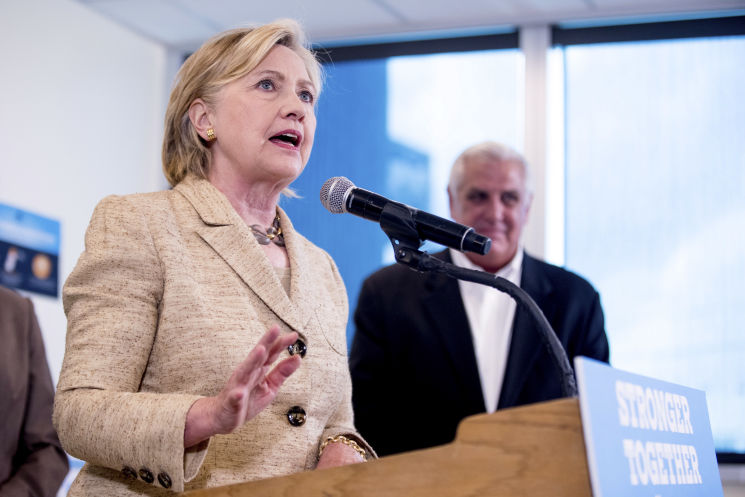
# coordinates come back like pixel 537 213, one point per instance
pixel 211 135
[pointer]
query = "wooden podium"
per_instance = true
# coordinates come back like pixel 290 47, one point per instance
pixel 533 450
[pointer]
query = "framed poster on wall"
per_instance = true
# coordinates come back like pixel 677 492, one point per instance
pixel 29 251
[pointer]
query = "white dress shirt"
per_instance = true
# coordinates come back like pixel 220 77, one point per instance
pixel 490 315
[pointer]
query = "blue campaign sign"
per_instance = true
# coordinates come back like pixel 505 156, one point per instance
pixel 645 437
pixel 29 251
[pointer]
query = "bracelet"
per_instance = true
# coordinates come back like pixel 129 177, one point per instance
pixel 346 441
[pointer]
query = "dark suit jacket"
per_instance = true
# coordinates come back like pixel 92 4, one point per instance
pixel 414 372
pixel 32 462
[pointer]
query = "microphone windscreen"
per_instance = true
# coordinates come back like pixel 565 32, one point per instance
pixel 333 193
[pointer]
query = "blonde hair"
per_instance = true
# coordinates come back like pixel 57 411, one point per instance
pixel 488 150
pixel 222 59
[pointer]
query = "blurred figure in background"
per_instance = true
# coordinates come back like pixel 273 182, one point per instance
pixel 430 350
pixel 32 462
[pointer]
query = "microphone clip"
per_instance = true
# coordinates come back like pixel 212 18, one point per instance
pixel 397 222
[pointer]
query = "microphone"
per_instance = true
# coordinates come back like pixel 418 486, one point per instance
pixel 339 195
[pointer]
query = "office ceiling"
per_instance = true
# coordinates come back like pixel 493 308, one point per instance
pixel 185 24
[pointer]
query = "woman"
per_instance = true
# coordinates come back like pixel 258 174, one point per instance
pixel 170 378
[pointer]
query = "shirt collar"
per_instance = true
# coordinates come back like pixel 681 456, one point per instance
pixel 511 270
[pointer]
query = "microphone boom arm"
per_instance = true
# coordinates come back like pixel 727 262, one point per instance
pixel 397 222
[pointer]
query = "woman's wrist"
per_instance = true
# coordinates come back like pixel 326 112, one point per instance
pixel 199 422
pixel 343 440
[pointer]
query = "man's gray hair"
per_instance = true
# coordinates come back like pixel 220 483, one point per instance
pixel 488 150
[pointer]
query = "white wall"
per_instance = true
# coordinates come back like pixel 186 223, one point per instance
pixel 81 118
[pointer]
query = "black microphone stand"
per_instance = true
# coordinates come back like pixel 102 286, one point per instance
pixel 397 222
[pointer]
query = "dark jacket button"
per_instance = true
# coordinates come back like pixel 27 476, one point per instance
pixel 129 473
pixel 146 475
pixel 296 416
pixel 298 347
pixel 164 480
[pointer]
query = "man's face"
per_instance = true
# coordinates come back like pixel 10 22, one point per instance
pixel 492 198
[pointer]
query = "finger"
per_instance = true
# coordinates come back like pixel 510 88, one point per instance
pixel 270 336
pixel 235 399
pixel 258 355
pixel 280 345
pixel 253 369
pixel 246 372
pixel 281 372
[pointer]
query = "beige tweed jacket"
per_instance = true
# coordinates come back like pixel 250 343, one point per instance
pixel 170 294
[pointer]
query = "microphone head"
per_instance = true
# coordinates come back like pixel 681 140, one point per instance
pixel 334 193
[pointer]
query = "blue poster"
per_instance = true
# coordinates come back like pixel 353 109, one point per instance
pixel 645 437
pixel 29 251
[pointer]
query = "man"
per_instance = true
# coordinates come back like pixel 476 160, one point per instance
pixel 32 462
pixel 430 350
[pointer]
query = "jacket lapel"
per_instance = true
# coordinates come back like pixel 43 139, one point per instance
pixel 444 304
pixel 525 343
pixel 229 236
pixel 302 282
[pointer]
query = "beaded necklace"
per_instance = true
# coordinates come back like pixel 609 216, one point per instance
pixel 273 233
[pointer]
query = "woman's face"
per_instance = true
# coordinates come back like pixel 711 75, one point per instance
pixel 265 121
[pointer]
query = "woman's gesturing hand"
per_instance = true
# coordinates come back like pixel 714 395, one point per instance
pixel 251 388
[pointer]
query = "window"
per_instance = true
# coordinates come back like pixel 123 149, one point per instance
pixel 655 209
